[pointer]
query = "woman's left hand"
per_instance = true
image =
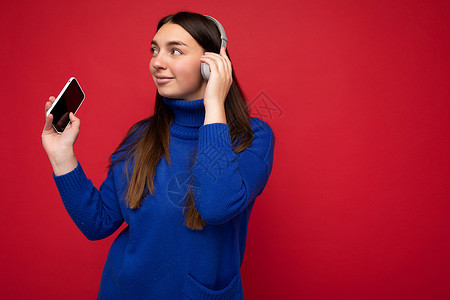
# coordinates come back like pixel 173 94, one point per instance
pixel 220 79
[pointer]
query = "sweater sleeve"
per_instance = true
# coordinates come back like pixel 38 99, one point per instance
pixel 95 212
pixel 225 183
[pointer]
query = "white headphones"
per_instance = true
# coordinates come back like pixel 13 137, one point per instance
pixel 223 37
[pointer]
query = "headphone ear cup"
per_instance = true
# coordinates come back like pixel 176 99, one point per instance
pixel 204 68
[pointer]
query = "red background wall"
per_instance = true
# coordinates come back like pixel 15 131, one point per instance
pixel 357 206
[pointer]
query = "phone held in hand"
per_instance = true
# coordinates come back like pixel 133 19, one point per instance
pixel 68 100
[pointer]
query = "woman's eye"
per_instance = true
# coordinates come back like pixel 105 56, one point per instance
pixel 176 50
pixel 153 50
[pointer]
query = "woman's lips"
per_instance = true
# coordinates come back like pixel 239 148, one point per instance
pixel 163 80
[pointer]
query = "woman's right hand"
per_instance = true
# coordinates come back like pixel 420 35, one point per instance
pixel 59 147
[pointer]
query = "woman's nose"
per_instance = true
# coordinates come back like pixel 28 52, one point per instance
pixel 158 62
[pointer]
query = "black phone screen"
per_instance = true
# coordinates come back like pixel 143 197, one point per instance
pixel 70 100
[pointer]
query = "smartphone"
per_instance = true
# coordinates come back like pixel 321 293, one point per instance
pixel 68 100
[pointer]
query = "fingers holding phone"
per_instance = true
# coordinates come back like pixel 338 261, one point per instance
pixel 61 126
pixel 59 147
pixel 57 144
pixel 49 117
pixel 68 100
pixel 74 126
pixel 49 104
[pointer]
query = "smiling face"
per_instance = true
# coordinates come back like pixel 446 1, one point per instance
pixel 176 55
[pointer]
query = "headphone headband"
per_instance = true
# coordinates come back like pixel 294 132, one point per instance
pixel 223 36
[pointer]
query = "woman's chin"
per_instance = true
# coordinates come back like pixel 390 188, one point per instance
pixel 168 94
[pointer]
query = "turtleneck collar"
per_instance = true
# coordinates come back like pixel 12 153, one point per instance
pixel 188 117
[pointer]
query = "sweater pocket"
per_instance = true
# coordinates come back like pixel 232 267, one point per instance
pixel 194 290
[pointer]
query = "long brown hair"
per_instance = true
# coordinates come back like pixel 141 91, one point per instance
pixel 150 140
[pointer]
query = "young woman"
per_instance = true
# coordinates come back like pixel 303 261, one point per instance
pixel 184 180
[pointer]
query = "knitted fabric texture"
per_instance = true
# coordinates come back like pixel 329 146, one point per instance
pixel 156 256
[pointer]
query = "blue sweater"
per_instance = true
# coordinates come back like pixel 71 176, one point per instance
pixel 156 256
